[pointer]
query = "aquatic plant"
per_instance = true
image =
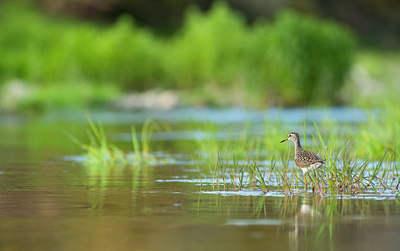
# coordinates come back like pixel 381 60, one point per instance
pixel 245 160
pixel 344 172
pixel 100 152
pixel 342 176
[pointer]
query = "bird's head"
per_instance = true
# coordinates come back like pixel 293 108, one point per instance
pixel 293 136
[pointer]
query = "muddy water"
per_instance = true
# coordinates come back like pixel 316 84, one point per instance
pixel 49 201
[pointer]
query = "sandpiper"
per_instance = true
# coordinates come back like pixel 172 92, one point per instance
pixel 304 159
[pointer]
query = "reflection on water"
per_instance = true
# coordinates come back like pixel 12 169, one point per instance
pixel 51 202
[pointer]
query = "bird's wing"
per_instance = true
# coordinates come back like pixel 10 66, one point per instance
pixel 312 156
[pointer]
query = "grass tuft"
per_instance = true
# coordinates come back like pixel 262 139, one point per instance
pixel 100 152
pixel 343 173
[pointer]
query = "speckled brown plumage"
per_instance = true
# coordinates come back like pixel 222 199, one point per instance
pixel 304 159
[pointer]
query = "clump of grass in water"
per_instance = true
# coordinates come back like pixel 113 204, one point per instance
pixel 345 173
pixel 342 173
pixel 100 152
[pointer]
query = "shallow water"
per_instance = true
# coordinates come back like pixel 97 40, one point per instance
pixel 50 201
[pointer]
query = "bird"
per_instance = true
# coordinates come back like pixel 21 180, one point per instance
pixel 304 159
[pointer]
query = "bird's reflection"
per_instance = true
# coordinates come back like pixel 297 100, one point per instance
pixel 304 221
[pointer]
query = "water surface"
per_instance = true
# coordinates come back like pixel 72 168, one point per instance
pixel 51 201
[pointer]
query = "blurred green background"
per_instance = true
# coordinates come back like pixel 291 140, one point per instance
pixel 167 53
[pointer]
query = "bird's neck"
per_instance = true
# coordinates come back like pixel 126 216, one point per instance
pixel 297 144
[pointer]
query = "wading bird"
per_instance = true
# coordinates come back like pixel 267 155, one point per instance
pixel 304 159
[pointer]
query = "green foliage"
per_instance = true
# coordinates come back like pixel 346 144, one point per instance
pixel 308 59
pixel 295 60
pixel 209 48
pixel 69 95
pixel 41 52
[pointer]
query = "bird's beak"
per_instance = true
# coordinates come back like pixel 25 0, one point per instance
pixel 284 140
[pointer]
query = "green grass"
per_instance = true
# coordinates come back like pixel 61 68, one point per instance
pixel 248 162
pixel 346 171
pixel 100 153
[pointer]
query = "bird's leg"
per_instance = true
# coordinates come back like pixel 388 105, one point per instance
pixel 319 187
pixel 312 183
pixel 305 181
